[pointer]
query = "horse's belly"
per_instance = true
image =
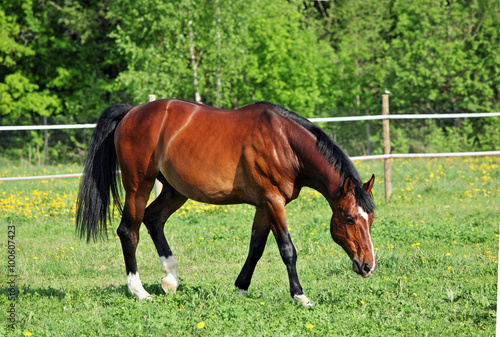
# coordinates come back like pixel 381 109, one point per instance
pixel 209 183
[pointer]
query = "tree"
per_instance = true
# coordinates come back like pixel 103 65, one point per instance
pixel 242 51
pixel 57 63
pixel 20 94
pixel 444 56
pixel 357 31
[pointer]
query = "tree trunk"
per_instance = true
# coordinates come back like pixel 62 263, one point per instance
pixel 194 63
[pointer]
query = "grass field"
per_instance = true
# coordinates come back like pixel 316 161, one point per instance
pixel 436 242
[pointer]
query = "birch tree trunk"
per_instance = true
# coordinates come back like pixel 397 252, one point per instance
pixel 218 92
pixel 194 63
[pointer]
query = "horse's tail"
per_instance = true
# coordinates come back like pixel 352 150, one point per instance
pixel 100 177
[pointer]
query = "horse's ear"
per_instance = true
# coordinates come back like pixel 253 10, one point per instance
pixel 348 186
pixel 369 184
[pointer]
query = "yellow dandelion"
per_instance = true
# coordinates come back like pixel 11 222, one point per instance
pixel 414 294
pixel 362 302
pixel 262 303
pixel 27 333
pixel 200 325
pixel 35 258
pixel 309 326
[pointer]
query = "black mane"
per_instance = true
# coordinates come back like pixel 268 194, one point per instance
pixel 333 153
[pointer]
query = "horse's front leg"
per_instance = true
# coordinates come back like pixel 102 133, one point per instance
pixel 276 209
pixel 289 257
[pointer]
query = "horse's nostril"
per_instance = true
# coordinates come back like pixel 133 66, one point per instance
pixel 366 267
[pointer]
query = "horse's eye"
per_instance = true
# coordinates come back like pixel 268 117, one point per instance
pixel 349 220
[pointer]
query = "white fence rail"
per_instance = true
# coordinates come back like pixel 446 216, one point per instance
pixel 421 116
pixel 47 127
pixel 314 120
pixel 427 155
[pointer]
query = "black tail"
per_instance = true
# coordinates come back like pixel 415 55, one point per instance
pixel 100 177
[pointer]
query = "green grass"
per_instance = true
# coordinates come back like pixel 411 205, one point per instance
pixel 436 241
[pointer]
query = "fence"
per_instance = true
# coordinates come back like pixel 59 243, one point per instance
pixel 363 137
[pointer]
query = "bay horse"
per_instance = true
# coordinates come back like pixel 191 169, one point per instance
pixel 261 154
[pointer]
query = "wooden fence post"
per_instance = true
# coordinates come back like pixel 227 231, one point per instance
pixel 387 148
pixel 158 185
pixel 46 141
pixel 368 149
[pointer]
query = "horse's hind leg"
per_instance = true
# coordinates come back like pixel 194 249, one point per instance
pixel 128 231
pixel 156 215
pixel 260 232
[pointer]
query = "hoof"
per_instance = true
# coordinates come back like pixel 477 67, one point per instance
pixel 143 295
pixel 169 284
pixel 306 302
pixel 242 292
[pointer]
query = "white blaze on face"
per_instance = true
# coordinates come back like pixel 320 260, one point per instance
pixel 135 286
pixel 364 215
pixel 362 212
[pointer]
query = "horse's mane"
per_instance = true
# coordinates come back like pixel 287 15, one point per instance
pixel 333 153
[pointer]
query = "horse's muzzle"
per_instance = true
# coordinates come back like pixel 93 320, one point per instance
pixel 364 269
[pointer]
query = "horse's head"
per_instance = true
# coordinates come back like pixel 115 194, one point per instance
pixel 350 227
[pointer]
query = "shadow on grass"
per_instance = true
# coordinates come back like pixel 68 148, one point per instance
pixel 156 289
pixel 44 292
pixel 61 294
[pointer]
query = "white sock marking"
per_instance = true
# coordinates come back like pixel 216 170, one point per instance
pixel 169 267
pixel 135 286
pixel 306 302
pixel 242 292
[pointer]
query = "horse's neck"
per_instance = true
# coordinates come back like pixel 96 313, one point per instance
pixel 316 172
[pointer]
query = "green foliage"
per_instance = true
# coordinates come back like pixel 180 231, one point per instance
pixel 357 30
pixel 443 57
pixel 20 95
pixel 68 59
pixel 57 60
pixel 263 58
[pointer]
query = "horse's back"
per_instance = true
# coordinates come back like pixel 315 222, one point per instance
pixel 209 154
